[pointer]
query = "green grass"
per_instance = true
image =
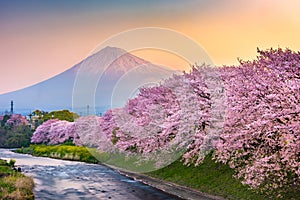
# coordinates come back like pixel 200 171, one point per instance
pixel 65 152
pixel 14 185
pixel 212 178
pixel 209 177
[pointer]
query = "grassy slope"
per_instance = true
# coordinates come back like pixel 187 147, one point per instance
pixel 14 185
pixel 65 152
pixel 209 177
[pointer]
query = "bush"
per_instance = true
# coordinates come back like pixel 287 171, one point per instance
pixel 12 162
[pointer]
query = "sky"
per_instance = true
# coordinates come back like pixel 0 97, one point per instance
pixel 40 39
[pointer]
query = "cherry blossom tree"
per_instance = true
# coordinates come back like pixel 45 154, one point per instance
pixel 171 118
pixel 41 134
pixel 248 114
pixel 17 120
pixel 261 136
pixel 55 131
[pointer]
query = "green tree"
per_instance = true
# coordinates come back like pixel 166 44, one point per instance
pixel 15 136
pixel 5 118
pixel 61 115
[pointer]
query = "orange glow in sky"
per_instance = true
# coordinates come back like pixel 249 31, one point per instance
pixel 41 39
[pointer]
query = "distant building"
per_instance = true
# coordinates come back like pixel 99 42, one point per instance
pixel 12 107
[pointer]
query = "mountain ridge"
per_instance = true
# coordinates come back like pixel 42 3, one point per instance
pixel 57 92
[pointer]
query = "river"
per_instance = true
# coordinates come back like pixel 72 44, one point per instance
pixel 60 179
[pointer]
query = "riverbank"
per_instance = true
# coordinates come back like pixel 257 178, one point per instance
pixel 169 187
pixel 205 182
pixel 13 184
pixel 209 180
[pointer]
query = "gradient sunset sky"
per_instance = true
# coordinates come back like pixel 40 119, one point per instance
pixel 39 39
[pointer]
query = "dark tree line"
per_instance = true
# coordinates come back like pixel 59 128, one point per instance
pixel 12 135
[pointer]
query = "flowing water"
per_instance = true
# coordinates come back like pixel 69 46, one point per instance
pixel 59 179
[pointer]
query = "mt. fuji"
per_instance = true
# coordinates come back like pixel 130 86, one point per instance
pixel 107 78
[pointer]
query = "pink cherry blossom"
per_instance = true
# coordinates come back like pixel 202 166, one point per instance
pixel 248 114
